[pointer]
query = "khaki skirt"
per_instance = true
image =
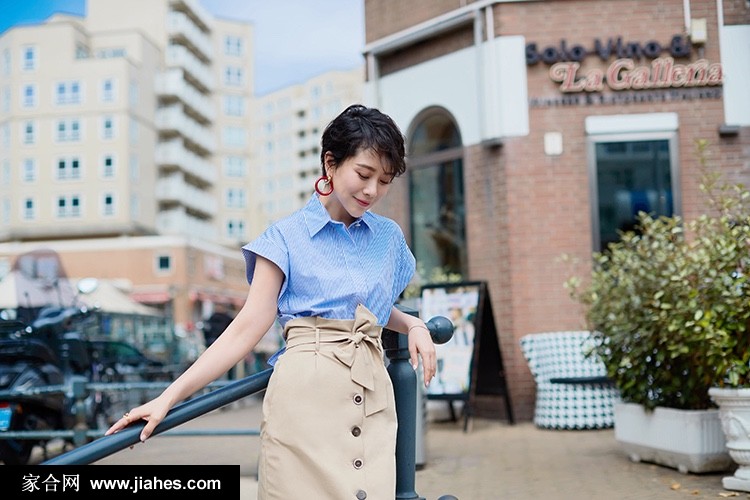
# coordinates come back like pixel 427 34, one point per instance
pixel 329 417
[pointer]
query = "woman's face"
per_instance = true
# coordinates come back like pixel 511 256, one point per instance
pixel 359 182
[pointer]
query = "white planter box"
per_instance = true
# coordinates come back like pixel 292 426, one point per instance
pixel 686 440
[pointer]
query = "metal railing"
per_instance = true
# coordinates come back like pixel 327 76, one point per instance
pixel 405 389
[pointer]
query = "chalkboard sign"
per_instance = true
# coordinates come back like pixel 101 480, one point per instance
pixel 470 364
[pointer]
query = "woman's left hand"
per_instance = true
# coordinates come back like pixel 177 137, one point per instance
pixel 421 344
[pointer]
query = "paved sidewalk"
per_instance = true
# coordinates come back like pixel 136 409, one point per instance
pixel 493 460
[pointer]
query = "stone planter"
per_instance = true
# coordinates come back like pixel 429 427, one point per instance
pixel 686 440
pixel 734 412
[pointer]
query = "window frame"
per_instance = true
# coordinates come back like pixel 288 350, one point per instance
pixel 672 138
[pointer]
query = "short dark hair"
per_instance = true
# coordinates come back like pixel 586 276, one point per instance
pixel 360 128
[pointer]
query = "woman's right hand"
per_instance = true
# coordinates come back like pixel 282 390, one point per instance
pixel 153 412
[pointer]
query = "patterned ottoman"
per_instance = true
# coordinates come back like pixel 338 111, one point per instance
pixel 572 389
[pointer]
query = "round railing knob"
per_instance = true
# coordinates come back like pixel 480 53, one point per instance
pixel 441 329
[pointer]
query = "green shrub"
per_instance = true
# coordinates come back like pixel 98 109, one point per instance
pixel 669 302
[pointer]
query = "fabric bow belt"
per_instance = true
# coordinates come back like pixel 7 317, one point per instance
pixel 357 345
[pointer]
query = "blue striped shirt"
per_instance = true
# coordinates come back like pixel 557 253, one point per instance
pixel 329 268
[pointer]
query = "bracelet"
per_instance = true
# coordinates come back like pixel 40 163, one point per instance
pixel 417 326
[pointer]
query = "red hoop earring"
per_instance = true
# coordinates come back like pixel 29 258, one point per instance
pixel 325 180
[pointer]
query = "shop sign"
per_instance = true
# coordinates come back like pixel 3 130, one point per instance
pixel 678 47
pixel 624 73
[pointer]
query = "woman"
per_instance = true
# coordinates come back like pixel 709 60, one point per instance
pixel 331 272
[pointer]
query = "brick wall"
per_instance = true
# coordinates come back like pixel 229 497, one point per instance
pixel 525 210
pixel 385 17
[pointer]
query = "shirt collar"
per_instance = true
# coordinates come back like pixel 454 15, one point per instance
pixel 316 216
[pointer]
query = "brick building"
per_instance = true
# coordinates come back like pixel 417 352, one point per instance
pixel 539 128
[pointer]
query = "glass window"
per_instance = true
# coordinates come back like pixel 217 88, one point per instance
pixel 134 167
pixel 235 166
pixel 28 209
pixel 29 133
pixel 62 127
pixel 5 172
pixel 235 137
pixel 6 99
pixel 75 206
pixel 163 263
pixel 436 187
pixel 235 198
pixel 68 92
pixel 234 105
pixel 68 130
pixel 134 130
pixel 29 170
pixel 235 229
pixel 109 204
pixel 4 269
pixel 74 130
pixel 75 92
pixel 29 58
pixel 108 94
pixel 133 94
pixel 233 46
pixel 233 76
pixel 6 62
pixel 108 167
pixel 108 128
pixel 68 206
pixel 82 52
pixel 29 96
pixel 68 168
pixel 629 175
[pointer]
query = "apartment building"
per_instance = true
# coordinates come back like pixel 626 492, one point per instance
pixel 286 138
pixel 125 146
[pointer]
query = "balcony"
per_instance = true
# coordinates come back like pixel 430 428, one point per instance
pixel 181 28
pixel 174 153
pixel 178 56
pixel 174 189
pixel 173 119
pixel 177 221
pixel 172 83
pixel 196 11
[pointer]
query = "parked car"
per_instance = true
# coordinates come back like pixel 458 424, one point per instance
pixel 124 359
pixel 118 362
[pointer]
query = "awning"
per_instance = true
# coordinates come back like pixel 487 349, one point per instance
pixel 110 298
pixel 216 297
pixel 151 297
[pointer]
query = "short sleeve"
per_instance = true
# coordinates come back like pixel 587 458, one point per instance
pixel 272 246
pixel 405 266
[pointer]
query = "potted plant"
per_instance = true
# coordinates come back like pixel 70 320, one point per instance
pixel 668 306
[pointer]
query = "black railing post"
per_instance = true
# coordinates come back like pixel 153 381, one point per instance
pixel 78 394
pixel 405 391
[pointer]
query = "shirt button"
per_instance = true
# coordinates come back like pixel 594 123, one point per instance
pixel 356 431
pixel 357 399
pixel 361 495
pixel 358 463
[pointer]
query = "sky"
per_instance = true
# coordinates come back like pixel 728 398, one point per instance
pixel 294 40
